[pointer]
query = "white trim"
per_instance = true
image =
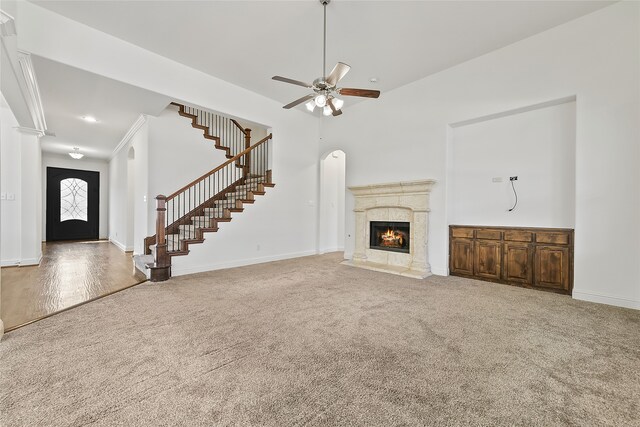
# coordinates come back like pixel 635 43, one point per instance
pixel 120 246
pixel 439 272
pixel 331 249
pixel 142 118
pixel 9 262
pixel 31 261
pixel 7 24
pixel 606 299
pixel 181 271
pixel 31 92
pixel 30 131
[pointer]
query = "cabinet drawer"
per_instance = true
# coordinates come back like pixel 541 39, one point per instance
pixel 553 238
pixel 462 232
pixel 518 236
pixel 489 234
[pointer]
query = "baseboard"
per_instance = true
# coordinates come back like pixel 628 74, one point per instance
pixel 31 261
pixel 332 249
pixel 181 271
pixel 121 246
pixel 439 272
pixel 605 299
pixel 9 262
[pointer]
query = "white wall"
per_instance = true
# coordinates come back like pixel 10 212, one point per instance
pixel 595 58
pixel 538 147
pixel 21 232
pixel 128 197
pixel 119 200
pixel 10 180
pixel 86 164
pixel 332 208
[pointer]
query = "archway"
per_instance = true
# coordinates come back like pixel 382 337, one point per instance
pixel 331 236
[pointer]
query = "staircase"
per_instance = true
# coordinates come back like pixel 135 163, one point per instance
pixel 188 215
pixel 227 134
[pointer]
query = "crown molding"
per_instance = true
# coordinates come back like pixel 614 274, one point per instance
pixel 30 131
pixel 32 92
pixel 7 24
pixel 142 118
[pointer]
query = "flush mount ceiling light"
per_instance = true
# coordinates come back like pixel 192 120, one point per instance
pixel 89 119
pixel 76 154
pixel 324 88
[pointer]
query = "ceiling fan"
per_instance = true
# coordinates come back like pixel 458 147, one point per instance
pixel 325 88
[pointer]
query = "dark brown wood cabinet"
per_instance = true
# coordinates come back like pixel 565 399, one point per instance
pixel 540 258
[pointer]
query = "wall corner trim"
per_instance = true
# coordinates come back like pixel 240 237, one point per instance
pixel 7 24
pixel 142 118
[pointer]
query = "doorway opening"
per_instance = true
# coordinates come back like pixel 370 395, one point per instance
pixel 332 202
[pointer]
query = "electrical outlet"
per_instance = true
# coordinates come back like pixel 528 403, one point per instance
pixel 513 178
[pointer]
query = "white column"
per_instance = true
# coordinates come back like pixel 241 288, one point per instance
pixel 30 197
pixel 420 261
pixel 361 223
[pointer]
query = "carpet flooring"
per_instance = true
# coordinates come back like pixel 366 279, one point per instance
pixel 312 342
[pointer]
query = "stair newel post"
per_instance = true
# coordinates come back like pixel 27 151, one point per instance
pixel 247 158
pixel 162 268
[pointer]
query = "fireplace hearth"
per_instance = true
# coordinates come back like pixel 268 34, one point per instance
pixel 389 236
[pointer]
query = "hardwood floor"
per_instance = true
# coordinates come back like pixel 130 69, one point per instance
pixel 71 273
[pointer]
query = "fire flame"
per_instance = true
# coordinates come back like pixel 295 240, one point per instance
pixel 392 238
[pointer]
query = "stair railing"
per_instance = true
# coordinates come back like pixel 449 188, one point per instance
pixel 226 131
pixel 192 199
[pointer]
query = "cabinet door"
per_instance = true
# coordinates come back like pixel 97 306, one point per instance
pixel 517 263
pixel 461 257
pixel 487 259
pixel 551 267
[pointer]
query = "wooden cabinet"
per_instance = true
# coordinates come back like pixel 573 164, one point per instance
pixel 462 257
pixel 540 258
pixel 551 267
pixel 487 259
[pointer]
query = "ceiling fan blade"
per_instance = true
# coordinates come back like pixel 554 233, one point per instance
pixel 339 71
pixel 335 112
pixel 367 93
pixel 299 101
pixel 293 82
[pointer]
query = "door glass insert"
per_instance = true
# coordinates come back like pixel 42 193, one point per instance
pixel 73 199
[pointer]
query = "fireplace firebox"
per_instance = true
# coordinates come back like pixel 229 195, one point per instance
pixel 389 236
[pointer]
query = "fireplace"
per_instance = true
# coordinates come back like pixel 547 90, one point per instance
pixel 389 236
pixel 402 211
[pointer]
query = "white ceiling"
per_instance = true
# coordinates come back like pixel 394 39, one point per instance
pixel 247 42
pixel 68 94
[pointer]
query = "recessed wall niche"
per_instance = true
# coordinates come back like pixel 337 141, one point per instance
pixel 538 145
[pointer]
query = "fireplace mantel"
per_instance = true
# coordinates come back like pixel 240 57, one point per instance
pixel 400 201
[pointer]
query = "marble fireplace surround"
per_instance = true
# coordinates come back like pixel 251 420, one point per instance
pixel 400 201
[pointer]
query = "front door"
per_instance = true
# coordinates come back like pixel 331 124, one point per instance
pixel 73 200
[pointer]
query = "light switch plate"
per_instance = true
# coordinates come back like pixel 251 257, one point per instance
pixel 497 179
pixel 11 196
pixel 3 196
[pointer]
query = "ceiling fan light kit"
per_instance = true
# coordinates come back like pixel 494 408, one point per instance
pixel 325 88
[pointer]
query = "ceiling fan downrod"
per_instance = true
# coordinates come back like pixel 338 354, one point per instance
pixel 324 40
